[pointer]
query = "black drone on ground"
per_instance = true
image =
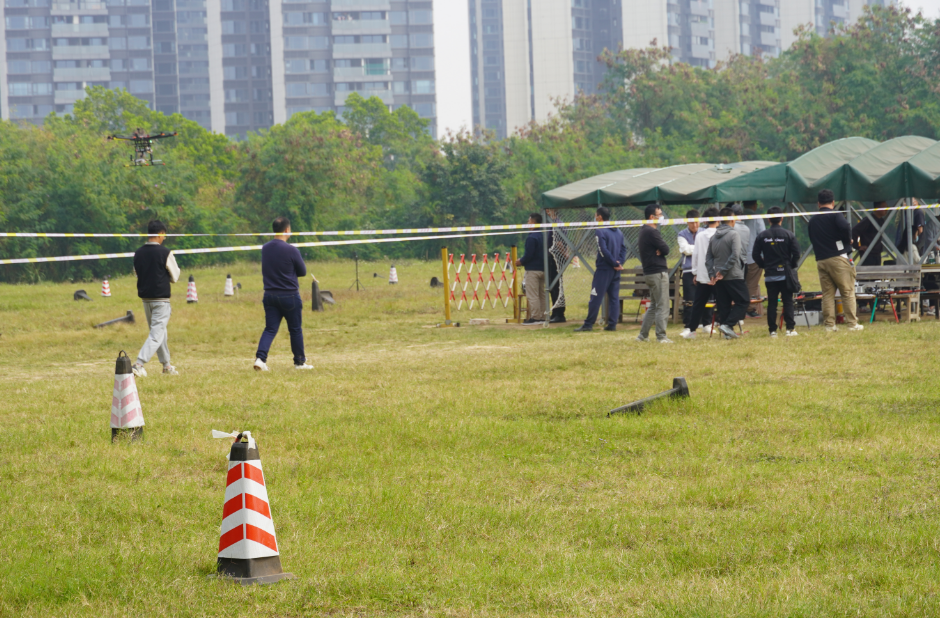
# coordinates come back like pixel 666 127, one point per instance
pixel 143 147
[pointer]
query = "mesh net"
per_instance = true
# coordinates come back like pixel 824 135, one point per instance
pixel 575 250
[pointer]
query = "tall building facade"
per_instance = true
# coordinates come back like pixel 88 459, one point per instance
pixel 233 66
pixel 525 53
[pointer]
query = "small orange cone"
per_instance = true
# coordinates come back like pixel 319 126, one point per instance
pixel 247 545
pixel 229 289
pixel 191 296
pixel 392 276
pixel 105 288
pixel 127 417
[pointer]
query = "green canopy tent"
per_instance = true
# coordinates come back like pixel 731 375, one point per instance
pixel 923 173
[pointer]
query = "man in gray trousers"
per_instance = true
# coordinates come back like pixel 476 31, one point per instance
pixel 653 251
pixel 156 269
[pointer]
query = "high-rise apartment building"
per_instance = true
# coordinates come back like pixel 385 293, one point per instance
pixel 233 66
pixel 525 53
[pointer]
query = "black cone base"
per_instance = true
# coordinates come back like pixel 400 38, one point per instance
pixel 128 434
pixel 253 571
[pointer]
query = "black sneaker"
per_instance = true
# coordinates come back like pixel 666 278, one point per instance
pixel 610 327
pixel 557 319
pixel 584 329
pixel 753 314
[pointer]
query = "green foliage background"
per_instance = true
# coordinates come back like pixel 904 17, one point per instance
pixel 879 78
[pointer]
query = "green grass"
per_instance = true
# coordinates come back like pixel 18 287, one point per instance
pixel 466 471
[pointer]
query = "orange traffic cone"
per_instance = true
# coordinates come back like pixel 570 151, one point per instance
pixel 105 288
pixel 247 545
pixel 392 275
pixel 191 296
pixel 127 417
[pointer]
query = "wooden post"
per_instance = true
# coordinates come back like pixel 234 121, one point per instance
pixel 516 301
pixel 446 280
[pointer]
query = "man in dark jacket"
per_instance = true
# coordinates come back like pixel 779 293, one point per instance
pixel 864 232
pixel 156 269
pixel 832 243
pixel 281 265
pixel 774 249
pixel 555 255
pixel 533 260
pixel 725 263
pixel 611 254
pixel 653 251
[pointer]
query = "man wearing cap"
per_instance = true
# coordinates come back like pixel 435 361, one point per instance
pixel 156 269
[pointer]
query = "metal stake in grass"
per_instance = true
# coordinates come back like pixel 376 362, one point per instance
pixel 679 389
pixel 127 318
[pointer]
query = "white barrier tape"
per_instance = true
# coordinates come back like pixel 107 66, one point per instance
pixel 442 230
pixel 364 241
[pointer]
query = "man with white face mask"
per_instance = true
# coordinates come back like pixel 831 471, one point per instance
pixel 653 251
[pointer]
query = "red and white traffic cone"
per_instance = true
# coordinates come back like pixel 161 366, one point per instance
pixel 229 288
pixel 392 276
pixel 127 417
pixel 105 288
pixel 247 545
pixel 191 296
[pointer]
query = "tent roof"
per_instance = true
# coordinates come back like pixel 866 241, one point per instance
pixel 854 168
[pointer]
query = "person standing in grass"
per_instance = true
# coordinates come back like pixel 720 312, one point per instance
pixel 704 291
pixel 611 254
pixel 832 243
pixel 686 247
pixel 752 271
pixel 281 265
pixel 725 263
pixel 653 251
pixel 533 260
pixel 774 249
pixel 156 269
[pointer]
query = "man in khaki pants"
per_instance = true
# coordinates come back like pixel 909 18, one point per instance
pixel 533 260
pixel 832 243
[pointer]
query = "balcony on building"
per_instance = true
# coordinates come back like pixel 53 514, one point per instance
pixel 362 50
pixel 64 31
pixel 361 26
pixel 80 52
pixel 82 7
pixel 360 5
pixel 82 74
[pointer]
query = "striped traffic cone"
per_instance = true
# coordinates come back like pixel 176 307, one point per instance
pixel 127 417
pixel 247 545
pixel 392 276
pixel 106 288
pixel 191 296
pixel 229 289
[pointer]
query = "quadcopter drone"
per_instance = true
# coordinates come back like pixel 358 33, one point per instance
pixel 143 147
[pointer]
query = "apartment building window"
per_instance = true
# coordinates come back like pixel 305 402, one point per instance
pixel 233 5
pixel 303 19
pixel 235 118
pixel 141 86
pixel 420 17
pixel 140 64
pixel 399 41
pixel 234 50
pixel 425 110
pixel 398 18
pixel 422 40
pixel 422 63
pixel 400 87
pixel 235 73
pixel 423 86
pixel 234 27
pixel 138 42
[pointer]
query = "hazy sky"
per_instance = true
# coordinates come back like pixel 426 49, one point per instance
pixel 452 50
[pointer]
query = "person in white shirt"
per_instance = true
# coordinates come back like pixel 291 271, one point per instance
pixel 700 314
pixel 686 244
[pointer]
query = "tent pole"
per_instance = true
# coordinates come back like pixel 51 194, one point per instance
pixel 909 218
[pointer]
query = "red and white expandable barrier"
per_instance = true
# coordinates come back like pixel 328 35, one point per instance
pixel 247 544
pixel 469 292
pixel 191 296
pixel 106 288
pixel 127 417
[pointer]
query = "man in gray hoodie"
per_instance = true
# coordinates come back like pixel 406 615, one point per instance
pixel 725 261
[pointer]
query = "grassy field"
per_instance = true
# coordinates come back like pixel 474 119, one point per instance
pixel 467 471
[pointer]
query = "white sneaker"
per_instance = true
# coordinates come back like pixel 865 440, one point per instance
pixel 138 370
pixel 774 334
pixel 685 333
pixel 831 329
pixel 170 370
pixel 665 340
pixel 856 327
pixel 728 332
pixel 792 333
pixel 304 366
pixel 260 365
pixel 642 339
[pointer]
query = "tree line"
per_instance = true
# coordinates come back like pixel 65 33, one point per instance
pixel 372 168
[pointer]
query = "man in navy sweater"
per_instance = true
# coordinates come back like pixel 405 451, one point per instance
pixel 533 260
pixel 156 269
pixel 281 265
pixel 653 251
pixel 611 254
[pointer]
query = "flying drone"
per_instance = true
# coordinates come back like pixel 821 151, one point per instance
pixel 143 147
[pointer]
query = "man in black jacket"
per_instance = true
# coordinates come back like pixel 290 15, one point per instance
pixel 653 251
pixel 774 249
pixel 832 243
pixel 533 260
pixel 156 269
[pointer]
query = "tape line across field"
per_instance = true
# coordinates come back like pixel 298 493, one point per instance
pixel 438 234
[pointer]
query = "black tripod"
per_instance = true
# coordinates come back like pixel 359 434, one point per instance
pixel 357 282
